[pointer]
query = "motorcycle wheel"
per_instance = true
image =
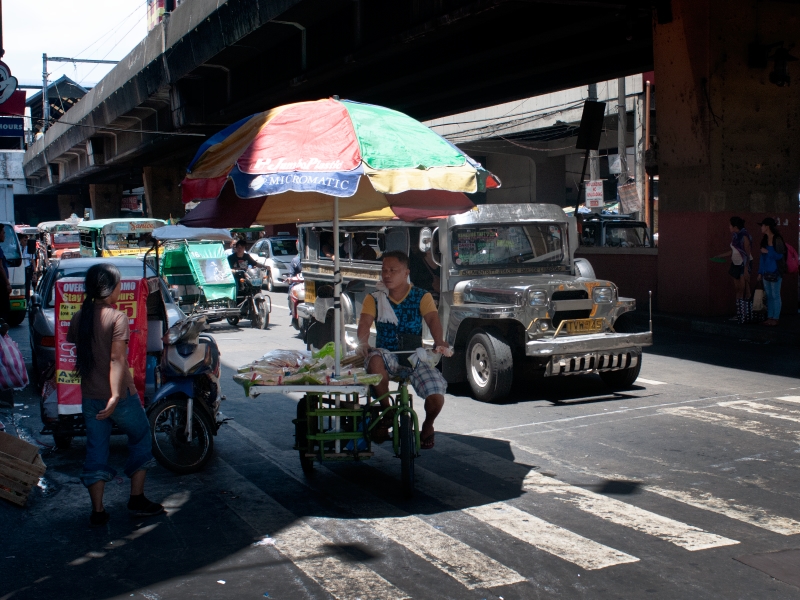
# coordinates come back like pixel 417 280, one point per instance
pixel 233 321
pixel 260 317
pixel 167 430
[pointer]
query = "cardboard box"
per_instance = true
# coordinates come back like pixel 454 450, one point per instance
pixel 20 468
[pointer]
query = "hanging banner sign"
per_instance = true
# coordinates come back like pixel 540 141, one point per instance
pixel 594 194
pixel 131 204
pixel 12 101
pixel 629 198
pixel 70 293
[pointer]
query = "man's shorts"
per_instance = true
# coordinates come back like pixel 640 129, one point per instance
pixel 425 380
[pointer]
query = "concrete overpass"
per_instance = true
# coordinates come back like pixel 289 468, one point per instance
pixel 728 137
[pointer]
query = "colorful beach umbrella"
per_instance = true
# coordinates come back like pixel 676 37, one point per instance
pixel 326 160
pixel 369 156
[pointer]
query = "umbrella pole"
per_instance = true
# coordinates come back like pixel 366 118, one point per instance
pixel 337 309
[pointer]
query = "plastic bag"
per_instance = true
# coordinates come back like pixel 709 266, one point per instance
pixel 13 375
pixel 327 350
pixel 290 359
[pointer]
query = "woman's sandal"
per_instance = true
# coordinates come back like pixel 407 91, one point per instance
pixel 428 443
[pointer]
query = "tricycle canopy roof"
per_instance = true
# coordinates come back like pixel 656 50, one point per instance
pixel 122 225
pixel 181 232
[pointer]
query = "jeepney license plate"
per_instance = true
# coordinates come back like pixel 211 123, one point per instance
pixel 311 291
pixel 584 325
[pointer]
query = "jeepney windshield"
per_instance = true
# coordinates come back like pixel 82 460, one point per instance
pixel 68 239
pixel 500 245
pixel 627 235
pixel 120 241
pixel 10 246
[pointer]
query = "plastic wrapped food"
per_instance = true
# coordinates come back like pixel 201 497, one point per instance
pixel 289 359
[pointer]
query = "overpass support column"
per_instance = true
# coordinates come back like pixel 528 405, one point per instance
pixel 163 193
pixel 70 203
pixel 728 144
pixel 105 200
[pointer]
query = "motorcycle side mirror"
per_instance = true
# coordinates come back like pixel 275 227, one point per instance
pixel 425 239
pixel 36 300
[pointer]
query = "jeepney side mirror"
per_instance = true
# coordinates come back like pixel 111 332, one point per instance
pixel 36 300
pixel 425 239
pixel 436 251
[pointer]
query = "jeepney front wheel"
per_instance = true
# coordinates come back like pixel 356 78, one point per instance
pixel 490 365
pixel 622 379
pixel 16 317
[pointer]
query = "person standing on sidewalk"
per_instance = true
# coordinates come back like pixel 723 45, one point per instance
pixel 771 268
pixel 101 333
pixel 5 282
pixel 741 259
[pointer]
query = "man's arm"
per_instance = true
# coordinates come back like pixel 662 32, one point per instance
pixel 364 324
pixel 435 326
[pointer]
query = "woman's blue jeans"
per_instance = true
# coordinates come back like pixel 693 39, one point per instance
pixel 773 291
pixel 130 417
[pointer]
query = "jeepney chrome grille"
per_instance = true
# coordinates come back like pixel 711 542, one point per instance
pixel 569 314
pixel 591 363
pixel 570 295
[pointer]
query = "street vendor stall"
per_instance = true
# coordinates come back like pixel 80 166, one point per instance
pixel 326 160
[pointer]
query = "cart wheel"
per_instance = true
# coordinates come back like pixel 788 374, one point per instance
pixel 408 451
pixel 301 430
pixel 233 321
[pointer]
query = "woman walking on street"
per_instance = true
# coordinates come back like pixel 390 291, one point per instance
pixel 101 335
pixel 741 258
pixel 771 268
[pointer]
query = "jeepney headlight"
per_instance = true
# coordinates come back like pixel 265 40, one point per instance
pixel 537 298
pixel 18 292
pixel 602 295
pixel 544 325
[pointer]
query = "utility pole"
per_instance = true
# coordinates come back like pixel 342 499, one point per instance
pixel 45 98
pixel 594 161
pixel 622 123
pixel 2 48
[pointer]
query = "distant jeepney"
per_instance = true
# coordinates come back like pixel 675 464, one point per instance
pixel 117 237
pixel 508 288
pixel 61 239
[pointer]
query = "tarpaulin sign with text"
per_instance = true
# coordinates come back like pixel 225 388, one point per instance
pixel 70 293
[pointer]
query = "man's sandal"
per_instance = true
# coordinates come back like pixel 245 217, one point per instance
pixel 428 443
pixel 381 433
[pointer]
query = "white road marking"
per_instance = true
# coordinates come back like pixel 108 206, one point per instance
pixel 344 580
pixel 310 551
pixel 471 568
pixel 556 540
pixel 548 537
pixel 723 420
pixel 762 409
pixel 621 513
pixel 467 565
pixel 748 514
pixel 795 399
pixel 650 381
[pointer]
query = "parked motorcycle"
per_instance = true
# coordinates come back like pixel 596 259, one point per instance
pixel 189 373
pixel 253 305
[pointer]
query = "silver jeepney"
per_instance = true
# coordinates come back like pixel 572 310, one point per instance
pixel 511 293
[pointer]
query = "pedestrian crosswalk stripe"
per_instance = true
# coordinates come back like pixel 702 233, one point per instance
pixel 310 551
pixel 723 420
pixel 762 409
pixel 537 532
pixel 650 381
pixel 548 537
pixel 621 513
pixel 468 566
pixel 471 568
pixel 730 508
pixel 795 399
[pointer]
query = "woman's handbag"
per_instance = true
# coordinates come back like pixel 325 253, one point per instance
pixel 13 375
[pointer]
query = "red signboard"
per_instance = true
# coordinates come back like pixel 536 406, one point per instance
pixel 70 293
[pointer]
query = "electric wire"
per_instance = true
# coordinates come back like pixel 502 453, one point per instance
pixel 109 128
pixel 114 46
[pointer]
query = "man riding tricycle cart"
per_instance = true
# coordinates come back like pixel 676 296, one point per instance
pixel 340 159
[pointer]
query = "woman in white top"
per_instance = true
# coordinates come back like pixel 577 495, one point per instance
pixel 741 261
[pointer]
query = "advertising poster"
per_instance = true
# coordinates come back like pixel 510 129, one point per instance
pixel 69 297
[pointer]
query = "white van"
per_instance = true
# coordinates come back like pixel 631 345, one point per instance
pixel 13 252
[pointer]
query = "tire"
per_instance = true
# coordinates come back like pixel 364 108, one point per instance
pixel 259 319
pixel 15 318
pixel 62 440
pixel 301 439
pixel 170 448
pixel 622 379
pixel 270 282
pixel 408 451
pixel 233 321
pixel 490 365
